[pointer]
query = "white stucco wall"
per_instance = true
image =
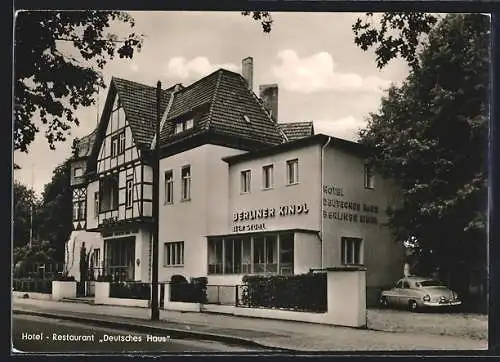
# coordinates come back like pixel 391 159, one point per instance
pixel 383 257
pixel 307 252
pixel 92 241
pixel 206 212
pixel 281 194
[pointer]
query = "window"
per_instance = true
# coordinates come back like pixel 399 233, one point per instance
pixel 179 127
pixel 399 284
pixel 118 144
pixel 406 285
pixel 96 258
pixel 78 172
pixel 286 253
pixel 173 254
pixel 169 187
pixel 215 256
pixel 369 177
pixel 108 198
pixel 245 181
pixel 351 251
pixel 96 204
pixel 129 192
pixel 186 183
pixel 248 255
pixel 184 125
pixel 292 171
pixel 267 175
pixel 79 210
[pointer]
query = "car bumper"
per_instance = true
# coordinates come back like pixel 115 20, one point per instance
pixel 440 304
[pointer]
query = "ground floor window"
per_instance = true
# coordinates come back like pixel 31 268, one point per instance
pixel 173 253
pixel 119 258
pixel 352 251
pixel 265 253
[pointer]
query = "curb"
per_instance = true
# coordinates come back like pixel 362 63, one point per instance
pixel 174 333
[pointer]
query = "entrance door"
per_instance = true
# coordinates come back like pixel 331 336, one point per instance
pixel 119 256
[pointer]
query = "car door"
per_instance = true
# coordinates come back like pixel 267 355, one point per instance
pixel 392 295
pixel 404 293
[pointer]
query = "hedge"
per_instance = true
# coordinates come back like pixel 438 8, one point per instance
pixel 130 290
pixel 300 292
pixel 33 285
pixel 194 292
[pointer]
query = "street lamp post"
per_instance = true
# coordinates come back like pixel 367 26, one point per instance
pixel 155 312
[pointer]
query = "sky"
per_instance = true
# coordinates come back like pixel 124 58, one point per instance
pixel 321 74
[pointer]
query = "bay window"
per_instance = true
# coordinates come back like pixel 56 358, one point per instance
pixel 251 254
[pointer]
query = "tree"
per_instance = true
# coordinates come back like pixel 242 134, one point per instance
pixel 396 34
pixel 58 58
pixel 56 209
pixel 25 214
pixel 430 136
pixel 264 17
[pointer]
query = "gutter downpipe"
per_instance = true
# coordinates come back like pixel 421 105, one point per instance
pixel 321 199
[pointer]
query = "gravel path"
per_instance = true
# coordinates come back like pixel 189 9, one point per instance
pixel 474 326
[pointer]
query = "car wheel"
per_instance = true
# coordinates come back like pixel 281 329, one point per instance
pixel 383 302
pixel 412 306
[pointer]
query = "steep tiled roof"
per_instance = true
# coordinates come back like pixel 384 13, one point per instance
pixel 139 103
pixel 219 103
pixel 297 130
pixel 84 144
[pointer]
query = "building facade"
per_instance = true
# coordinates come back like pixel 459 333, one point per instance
pixel 239 192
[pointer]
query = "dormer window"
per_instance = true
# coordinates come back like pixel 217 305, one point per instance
pixel 184 125
pixel 78 172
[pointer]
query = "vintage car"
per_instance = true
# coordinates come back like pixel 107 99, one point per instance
pixel 417 293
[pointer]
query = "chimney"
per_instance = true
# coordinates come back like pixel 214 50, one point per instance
pixel 269 97
pixel 247 71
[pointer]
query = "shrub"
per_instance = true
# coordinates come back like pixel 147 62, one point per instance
pixel 194 292
pixel 64 278
pixel 105 278
pixel 33 285
pixel 301 292
pixel 130 290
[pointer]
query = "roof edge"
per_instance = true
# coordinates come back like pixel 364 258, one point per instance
pixel 319 138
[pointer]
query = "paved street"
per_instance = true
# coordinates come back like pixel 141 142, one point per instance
pixel 37 334
pixel 269 333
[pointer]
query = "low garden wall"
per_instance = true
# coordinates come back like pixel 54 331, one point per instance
pixel 63 289
pixel 335 296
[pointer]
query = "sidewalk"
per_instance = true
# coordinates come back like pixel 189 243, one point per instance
pixel 287 335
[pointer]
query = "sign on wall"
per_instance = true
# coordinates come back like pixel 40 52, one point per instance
pixel 336 207
pixel 263 214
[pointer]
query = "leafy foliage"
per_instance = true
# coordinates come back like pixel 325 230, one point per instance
pixel 301 292
pixel 58 57
pixel 39 252
pixel 398 33
pixel 24 200
pixel 130 290
pixel 56 209
pixel 263 16
pixel 430 136
pixel 193 292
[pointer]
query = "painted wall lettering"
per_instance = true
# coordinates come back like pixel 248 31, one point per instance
pixel 346 210
pixel 265 213
pixel 249 227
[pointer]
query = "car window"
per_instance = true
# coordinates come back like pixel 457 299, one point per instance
pixel 418 285
pixel 399 284
pixel 406 285
pixel 431 283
